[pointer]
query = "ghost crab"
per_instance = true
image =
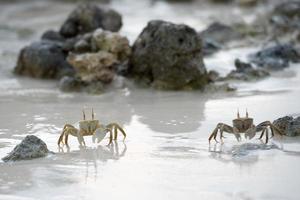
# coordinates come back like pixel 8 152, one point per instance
pixel 90 128
pixel 245 125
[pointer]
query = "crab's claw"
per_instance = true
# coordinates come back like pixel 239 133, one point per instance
pixel 250 133
pixel 100 134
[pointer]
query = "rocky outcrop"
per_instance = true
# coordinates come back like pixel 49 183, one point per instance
pixel 43 59
pixel 30 147
pixel 47 58
pixel 89 17
pixel 290 126
pixel 168 56
pixel 276 57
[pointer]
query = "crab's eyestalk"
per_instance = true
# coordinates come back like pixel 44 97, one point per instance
pixel 238 114
pixel 247 113
pixel 83 113
pixel 93 116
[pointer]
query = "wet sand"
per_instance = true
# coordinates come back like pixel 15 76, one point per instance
pixel 166 154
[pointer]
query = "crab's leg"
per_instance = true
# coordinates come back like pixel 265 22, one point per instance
pixel 268 123
pixel 221 135
pixel 122 131
pixel 267 136
pixel 262 133
pixel 272 132
pixel 110 136
pixel 213 134
pixel 115 133
pixel 66 139
pixel 115 127
pixel 61 137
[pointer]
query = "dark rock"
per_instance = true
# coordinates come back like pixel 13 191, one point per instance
pixel 245 71
pixel 242 66
pixel 210 47
pixel 30 147
pixel 220 33
pixel 74 84
pixel 43 59
pixel 276 57
pixel 53 36
pixel 168 56
pixel 88 17
pixel 290 126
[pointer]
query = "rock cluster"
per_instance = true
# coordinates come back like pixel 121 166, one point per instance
pixel 83 53
pixel 30 147
pixel 168 56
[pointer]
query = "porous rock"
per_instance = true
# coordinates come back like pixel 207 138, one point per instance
pixel 168 56
pixel 30 147
pixel 43 59
pixel 290 126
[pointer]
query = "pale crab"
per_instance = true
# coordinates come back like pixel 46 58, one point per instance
pixel 245 125
pixel 90 128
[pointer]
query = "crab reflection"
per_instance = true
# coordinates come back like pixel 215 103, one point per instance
pixel 245 153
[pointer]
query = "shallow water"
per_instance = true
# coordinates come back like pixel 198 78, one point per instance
pixel 166 154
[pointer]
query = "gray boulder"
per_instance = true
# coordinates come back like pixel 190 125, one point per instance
pixel 289 125
pixel 168 56
pixel 88 17
pixel 30 147
pixel 276 57
pixel 44 59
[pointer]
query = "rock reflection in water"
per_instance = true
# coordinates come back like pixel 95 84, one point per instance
pixel 169 112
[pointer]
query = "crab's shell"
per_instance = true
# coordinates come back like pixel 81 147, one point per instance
pixel 88 126
pixel 242 124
